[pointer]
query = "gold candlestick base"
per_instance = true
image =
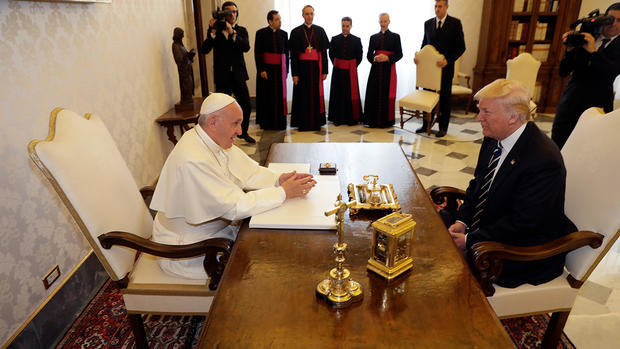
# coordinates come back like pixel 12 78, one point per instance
pixel 339 291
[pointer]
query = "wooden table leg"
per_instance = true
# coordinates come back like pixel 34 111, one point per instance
pixel 170 133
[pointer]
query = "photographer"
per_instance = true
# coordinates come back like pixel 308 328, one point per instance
pixel 594 66
pixel 229 41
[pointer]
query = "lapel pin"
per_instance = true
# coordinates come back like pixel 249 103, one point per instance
pixel 512 162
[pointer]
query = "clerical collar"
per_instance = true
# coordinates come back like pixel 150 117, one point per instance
pixel 385 31
pixel 307 26
pixel 345 35
pixel 208 141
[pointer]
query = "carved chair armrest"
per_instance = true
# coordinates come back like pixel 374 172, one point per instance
pixel 216 251
pixel 487 255
pixel 450 194
pixel 467 78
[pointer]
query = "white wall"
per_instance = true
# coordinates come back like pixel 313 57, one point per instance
pixel 113 60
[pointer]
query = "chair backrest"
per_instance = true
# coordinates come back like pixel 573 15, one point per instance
pixel 83 164
pixel 592 186
pixel 523 68
pixel 457 66
pixel 428 74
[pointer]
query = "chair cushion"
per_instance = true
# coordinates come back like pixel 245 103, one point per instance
pixel 460 90
pixel 420 100
pixel 150 290
pixel 555 295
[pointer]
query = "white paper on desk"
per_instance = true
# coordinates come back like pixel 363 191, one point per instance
pixel 303 213
pixel 289 167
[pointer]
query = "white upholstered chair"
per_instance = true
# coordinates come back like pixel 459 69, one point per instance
pixel 81 161
pixel 424 100
pixel 524 68
pixel 592 205
pixel 461 86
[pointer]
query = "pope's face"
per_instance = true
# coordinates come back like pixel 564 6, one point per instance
pixel 308 14
pixel 276 22
pixel 346 27
pixel 612 29
pixel 384 22
pixel 227 125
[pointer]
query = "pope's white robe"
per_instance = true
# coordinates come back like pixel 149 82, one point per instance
pixel 203 191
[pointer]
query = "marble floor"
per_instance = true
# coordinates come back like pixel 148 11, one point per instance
pixel 595 319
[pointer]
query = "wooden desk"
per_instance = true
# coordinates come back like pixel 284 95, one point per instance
pixel 179 118
pixel 266 297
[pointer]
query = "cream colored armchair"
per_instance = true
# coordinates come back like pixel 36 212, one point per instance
pixel 423 102
pixel 592 205
pixel 524 68
pixel 461 86
pixel 81 161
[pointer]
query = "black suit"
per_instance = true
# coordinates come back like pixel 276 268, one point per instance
pixel 525 204
pixel 229 72
pixel 449 40
pixel 591 85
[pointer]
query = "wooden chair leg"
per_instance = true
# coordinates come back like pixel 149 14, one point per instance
pixel 469 100
pixel 139 334
pixel 402 122
pixel 554 329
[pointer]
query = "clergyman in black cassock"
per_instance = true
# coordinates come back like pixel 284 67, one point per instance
pixel 271 56
pixel 308 46
pixel 447 37
pixel 345 52
pixel 384 50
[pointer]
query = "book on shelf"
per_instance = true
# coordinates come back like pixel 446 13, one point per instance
pixel 541 31
pixel 543 6
pixel 518 5
pixel 541 51
pixel 555 6
pixel 524 30
pixel 537 92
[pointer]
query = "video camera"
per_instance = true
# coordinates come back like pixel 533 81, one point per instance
pixel 592 24
pixel 220 16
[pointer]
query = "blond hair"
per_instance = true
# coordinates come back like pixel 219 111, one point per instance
pixel 512 95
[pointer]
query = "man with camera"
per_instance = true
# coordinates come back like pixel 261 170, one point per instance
pixel 594 63
pixel 229 41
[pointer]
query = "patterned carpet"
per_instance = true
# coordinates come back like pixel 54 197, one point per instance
pixel 103 324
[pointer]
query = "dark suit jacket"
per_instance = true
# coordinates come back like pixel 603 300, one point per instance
pixel 228 54
pixel 525 205
pixel 449 40
pixel 593 75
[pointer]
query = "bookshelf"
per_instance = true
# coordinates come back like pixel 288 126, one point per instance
pixel 510 27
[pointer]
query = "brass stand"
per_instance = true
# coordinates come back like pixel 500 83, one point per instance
pixel 339 291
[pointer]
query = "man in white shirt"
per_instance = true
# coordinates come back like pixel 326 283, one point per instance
pixel 207 185
pixel 517 194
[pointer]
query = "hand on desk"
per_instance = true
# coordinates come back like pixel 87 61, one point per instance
pixel 296 184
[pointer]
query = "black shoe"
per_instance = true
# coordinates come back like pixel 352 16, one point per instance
pixel 247 138
pixel 422 129
pixel 440 133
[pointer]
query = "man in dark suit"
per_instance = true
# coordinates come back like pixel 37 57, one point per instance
pixel 594 67
pixel 229 41
pixel 445 33
pixel 517 194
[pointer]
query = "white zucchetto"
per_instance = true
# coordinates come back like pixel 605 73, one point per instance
pixel 215 102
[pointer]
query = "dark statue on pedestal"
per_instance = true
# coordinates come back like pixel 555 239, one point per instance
pixel 184 59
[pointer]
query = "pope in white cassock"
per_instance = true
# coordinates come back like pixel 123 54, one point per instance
pixel 207 185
